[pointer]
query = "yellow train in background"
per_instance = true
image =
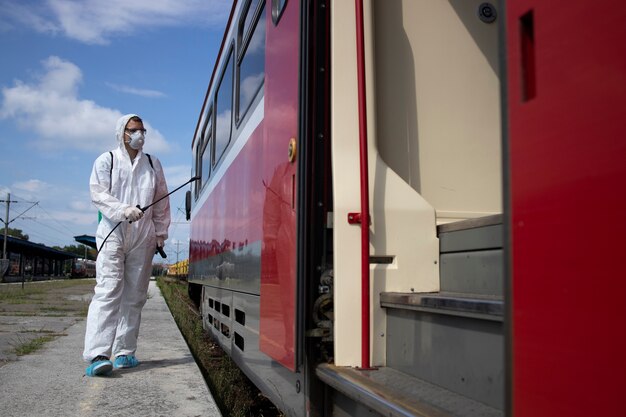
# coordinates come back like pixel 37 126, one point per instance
pixel 178 269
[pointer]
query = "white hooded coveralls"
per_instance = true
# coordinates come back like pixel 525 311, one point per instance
pixel 124 264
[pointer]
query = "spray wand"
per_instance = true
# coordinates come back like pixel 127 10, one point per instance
pixel 143 210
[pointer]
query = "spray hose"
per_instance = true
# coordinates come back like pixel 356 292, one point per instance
pixel 143 210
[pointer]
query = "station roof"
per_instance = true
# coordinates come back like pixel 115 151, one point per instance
pixel 27 247
pixel 87 240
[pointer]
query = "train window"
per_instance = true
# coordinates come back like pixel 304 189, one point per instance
pixel 198 162
pixel 240 317
pixel 225 330
pixel 278 6
pixel 223 110
pixel 246 22
pixel 207 146
pixel 251 63
pixel 226 310
pixel 239 342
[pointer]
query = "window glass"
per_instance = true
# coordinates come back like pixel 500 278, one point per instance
pixel 247 23
pixel 252 67
pixel 198 164
pixel 223 110
pixel 207 139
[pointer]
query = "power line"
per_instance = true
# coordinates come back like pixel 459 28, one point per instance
pixel 20 215
pixel 23 199
pixel 8 221
pixel 34 231
pixel 55 220
pixel 49 216
pixel 62 232
pixel 38 237
pixel 64 228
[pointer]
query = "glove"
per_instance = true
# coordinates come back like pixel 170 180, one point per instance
pixel 133 214
pixel 160 242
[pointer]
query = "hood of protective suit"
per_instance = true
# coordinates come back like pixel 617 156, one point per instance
pixel 120 126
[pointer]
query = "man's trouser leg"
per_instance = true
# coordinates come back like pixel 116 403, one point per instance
pixel 103 312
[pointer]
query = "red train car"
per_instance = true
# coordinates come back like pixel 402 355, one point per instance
pixel 83 268
pixel 402 202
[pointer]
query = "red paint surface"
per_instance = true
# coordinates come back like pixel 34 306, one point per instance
pixel 364 185
pixel 254 201
pixel 568 201
pixel 229 220
pixel 278 254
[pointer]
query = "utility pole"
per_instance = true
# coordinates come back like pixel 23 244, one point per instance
pixel 6 227
pixel 6 220
pixel 6 224
pixel 4 262
pixel 178 251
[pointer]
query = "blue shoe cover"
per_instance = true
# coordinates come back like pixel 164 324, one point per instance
pixel 126 361
pixel 99 368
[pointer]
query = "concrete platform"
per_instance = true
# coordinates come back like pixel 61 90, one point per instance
pixel 52 381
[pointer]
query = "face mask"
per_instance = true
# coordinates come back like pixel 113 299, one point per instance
pixel 136 140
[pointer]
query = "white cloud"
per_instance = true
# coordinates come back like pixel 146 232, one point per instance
pixel 136 91
pixel 96 21
pixel 59 207
pixel 176 176
pixel 75 217
pixel 51 108
pixel 257 43
pixel 249 87
pixel 31 186
pixel 80 205
pixel 17 14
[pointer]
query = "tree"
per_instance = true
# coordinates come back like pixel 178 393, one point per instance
pixel 17 233
pixel 78 250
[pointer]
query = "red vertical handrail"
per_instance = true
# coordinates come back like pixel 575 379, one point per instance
pixel 365 220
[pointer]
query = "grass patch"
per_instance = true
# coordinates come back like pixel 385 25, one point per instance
pixel 23 300
pixel 234 394
pixel 59 308
pixel 38 331
pixel 57 298
pixel 15 293
pixel 24 348
pixel 82 312
pixel 21 313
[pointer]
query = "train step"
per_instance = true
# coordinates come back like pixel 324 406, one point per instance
pixel 390 392
pixel 471 256
pixel 484 307
pixel 452 340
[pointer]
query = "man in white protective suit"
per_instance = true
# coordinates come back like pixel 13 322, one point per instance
pixel 121 180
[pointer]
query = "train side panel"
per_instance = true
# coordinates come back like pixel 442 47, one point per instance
pixel 495 156
pixel 242 246
pixel 278 256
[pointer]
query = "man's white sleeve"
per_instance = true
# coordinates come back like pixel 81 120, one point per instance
pixel 161 214
pixel 99 184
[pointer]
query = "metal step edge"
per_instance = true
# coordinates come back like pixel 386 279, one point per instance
pixel 395 394
pixel 465 305
pixel 492 220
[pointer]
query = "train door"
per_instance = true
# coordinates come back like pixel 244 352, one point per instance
pixel 278 255
pixel 566 89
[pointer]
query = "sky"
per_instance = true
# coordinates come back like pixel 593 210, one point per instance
pixel 69 70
